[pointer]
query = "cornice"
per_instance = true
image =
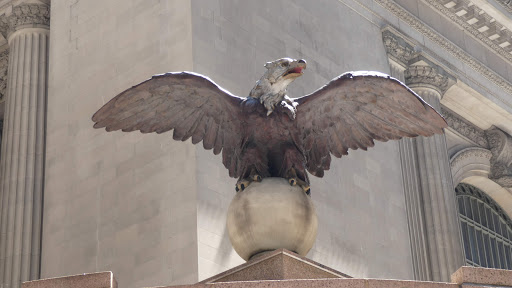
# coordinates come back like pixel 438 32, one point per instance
pixel 507 4
pixel 23 15
pixel 478 23
pixel 471 132
pixel 451 48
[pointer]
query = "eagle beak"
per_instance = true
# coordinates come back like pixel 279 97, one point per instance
pixel 297 69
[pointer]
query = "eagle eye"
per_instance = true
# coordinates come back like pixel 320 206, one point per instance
pixel 284 64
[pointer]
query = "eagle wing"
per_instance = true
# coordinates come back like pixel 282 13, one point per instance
pixel 353 110
pixel 191 104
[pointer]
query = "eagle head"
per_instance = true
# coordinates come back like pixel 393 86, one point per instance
pixel 270 90
pixel 282 72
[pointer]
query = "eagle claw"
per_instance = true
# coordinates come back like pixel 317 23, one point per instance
pixel 242 184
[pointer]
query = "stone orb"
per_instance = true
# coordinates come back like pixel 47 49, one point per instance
pixel 270 215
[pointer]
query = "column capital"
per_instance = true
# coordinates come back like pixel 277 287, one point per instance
pixel 25 16
pixel 427 77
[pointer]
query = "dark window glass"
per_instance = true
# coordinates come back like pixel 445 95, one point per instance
pixel 467 250
pixel 481 247
pixel 490 222
pixel 490 260
pixel 507 256
pixel 486 229
pixel 460 200
pixel 501 253
pixel 495 253
pixel 467 204
pixel 481 209
pixel 474 208
pixel 497 225
pixel 472 243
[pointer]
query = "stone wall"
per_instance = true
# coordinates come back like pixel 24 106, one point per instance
pixel 115 201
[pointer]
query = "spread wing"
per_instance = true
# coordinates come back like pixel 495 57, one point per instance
pixel 356 108
pixel 191 104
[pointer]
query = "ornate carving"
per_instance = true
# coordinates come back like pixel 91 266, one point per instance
pixel 473 161
pixel 25 14
pixel 490 33
pixel 507 4
pixel 4 57
pixel 426 75
pixel 500 144
pixel 469 155
pixel 397 48
pixel 464 128
pixel 454 50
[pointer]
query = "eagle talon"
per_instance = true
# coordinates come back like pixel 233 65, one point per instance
pixel 292 181
pixel 242 184
pixel 307 189
pixel 256 178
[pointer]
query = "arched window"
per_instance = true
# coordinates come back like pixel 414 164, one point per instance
pixel 486 229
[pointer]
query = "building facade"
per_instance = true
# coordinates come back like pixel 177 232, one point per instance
pixel 75 199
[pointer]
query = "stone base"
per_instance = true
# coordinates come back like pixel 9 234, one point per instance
pixel 285 269
pixel 280 264
pixel 92 280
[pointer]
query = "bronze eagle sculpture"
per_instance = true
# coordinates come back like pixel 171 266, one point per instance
pixel 269 134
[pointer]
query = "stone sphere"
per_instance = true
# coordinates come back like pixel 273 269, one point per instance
pixel 269 215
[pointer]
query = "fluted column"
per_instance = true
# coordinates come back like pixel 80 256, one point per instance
pixel 22 162
pixel 437 190
pixel 400 52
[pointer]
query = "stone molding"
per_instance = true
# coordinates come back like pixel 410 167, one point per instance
pixel 451 48
pixel 507 4
pixel 464 128
pixel 25 15
pixel 477 23
pixel 500 144
pixel 426 75
pixel 4 61
pixel 473 161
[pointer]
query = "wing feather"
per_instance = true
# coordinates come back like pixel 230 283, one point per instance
pixel 191 104
pixel 355 109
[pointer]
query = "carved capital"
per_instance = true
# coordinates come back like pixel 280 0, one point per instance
pixel 25 15
pixel 397 48
pixel 500 144
pixel 427 76
pixel 464 128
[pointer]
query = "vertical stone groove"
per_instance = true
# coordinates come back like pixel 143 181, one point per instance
pixel 6 159
pixel 23 163
pixel 412 194
pixel 438 194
